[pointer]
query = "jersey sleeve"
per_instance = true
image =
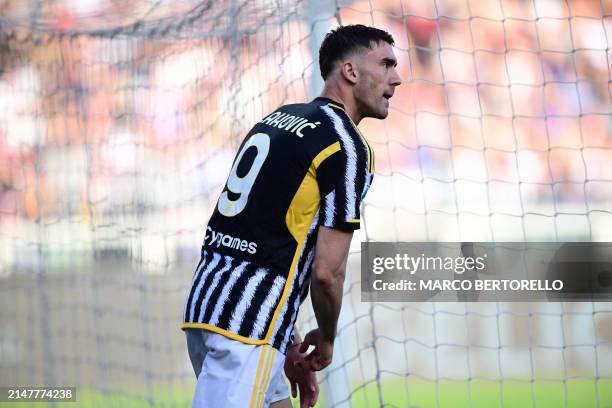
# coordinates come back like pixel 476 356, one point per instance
pixel 342 185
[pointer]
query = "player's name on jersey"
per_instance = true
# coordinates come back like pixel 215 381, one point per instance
pixel 221 239
pixel 291 123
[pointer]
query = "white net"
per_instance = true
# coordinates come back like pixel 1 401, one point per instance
pixel 118 122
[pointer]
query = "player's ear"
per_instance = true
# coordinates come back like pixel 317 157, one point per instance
pixel 348 70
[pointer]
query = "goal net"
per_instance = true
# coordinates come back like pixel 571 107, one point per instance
pixel 118 125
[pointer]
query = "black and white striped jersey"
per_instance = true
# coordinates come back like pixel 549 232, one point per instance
pixel 303 166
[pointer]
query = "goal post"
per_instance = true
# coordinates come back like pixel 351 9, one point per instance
pixel 118 125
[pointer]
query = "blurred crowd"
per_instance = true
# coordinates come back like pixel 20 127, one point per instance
pixel 496 95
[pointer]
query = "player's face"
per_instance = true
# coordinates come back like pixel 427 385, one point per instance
pixel 377 81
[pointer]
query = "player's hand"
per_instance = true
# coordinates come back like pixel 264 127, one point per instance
pixel 321 356
pixel 301 378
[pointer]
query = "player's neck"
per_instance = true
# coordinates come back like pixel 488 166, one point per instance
pixel 347 100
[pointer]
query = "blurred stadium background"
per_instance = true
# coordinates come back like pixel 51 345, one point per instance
pixel 118 124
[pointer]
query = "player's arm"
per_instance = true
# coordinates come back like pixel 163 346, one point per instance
pixel 327 279
pixel 328 273
pixel 341 180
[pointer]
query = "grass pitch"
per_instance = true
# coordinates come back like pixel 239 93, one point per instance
pixel 573 393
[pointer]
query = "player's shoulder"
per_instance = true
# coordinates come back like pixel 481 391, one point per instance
pixel 336 116
pixel 311 122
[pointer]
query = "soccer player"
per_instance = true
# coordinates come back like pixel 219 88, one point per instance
pixel 283 224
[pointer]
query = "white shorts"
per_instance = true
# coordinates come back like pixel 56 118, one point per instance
pixel 234 374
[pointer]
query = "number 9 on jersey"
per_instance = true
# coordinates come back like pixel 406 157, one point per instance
pixel 243 185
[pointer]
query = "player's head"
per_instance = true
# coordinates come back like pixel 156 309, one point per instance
pixel 361 58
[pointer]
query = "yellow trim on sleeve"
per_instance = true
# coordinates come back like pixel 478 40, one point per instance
pixel 353 220
pixel 255 394
pixel 324 154
pixel 223 332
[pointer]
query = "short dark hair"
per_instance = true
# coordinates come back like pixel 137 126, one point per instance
pixel 344 40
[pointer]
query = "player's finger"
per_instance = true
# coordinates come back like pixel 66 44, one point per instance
pixel 302 397
pixel 316 363
pixel 313 386
pixel 315 393
pixel 320 363
pixel 305 344
pixel 306 401
pixel 305 397
pixel 293 389
pixel 310 396
pixel 305 361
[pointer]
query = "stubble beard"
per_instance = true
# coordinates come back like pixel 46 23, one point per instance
pixel 379 112
pixel 374 110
